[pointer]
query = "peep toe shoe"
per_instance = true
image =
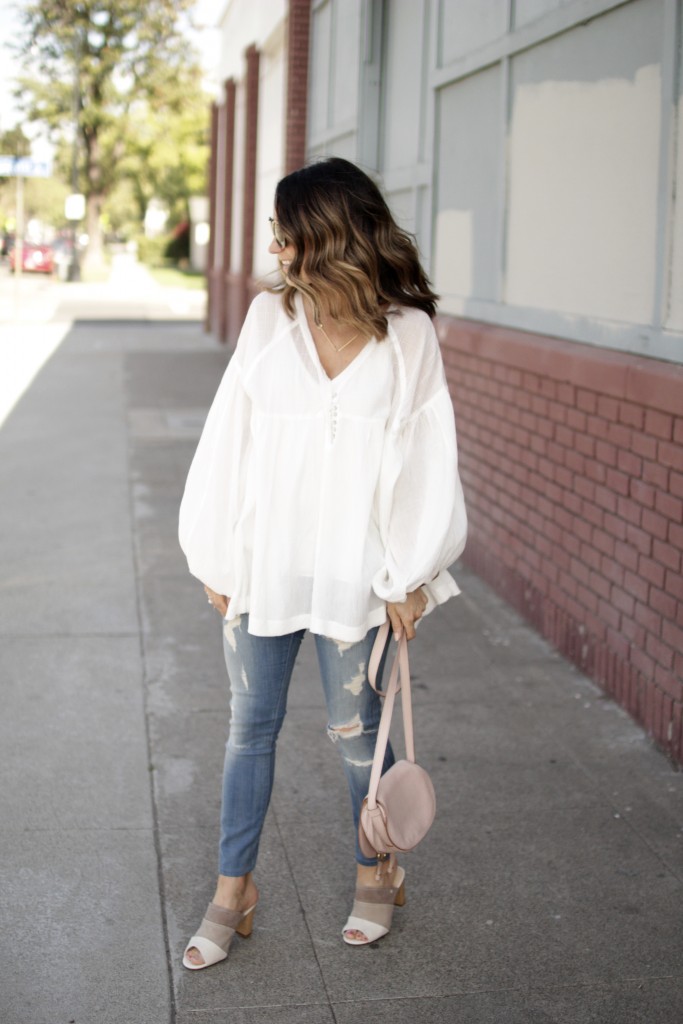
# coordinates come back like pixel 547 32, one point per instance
pixel 373 909
pixel 215 934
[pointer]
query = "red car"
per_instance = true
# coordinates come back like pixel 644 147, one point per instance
pixel 37 259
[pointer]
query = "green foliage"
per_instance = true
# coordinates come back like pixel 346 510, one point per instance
pixel 166 150
pixel 14 143
pixel 125 72
pixel 43 200
pixel 152 251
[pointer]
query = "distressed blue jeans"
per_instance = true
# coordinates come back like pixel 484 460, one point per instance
pixel 260 669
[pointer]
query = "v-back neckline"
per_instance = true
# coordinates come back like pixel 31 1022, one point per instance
pixel 359 358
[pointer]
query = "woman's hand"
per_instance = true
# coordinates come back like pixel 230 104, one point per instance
pixel 406 613
pixel 219 601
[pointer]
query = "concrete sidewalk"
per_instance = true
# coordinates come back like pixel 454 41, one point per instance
pixel 549 889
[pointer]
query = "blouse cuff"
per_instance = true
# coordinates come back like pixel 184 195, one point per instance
pixel 439 590
pixel 388 589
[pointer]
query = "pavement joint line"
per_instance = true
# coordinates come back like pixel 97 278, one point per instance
pixel 70 636
pixel 527 989
pixel 435 996
pixel 252 1006
pixel 303 914
pixel 638 979
pixel 79 828
pixel 147 715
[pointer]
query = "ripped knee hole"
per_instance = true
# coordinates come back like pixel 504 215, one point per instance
pixel 346 732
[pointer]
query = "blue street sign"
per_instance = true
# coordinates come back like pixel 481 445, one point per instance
pixel 24 167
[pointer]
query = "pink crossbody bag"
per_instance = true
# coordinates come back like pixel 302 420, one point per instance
pixel 400 806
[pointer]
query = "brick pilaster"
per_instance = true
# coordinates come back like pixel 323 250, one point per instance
pixel 211 260
pixel 251 133
pixel 228 177
pixel 297 83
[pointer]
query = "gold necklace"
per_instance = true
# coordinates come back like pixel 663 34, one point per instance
pixel 318 324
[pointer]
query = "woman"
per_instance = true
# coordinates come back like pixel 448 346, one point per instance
pixel 323 496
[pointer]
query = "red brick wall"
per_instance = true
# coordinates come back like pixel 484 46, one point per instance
pixel 572 464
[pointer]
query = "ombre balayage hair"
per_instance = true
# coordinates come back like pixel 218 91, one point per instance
pixel 350 252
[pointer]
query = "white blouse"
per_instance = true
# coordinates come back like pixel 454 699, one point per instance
pixel 312 502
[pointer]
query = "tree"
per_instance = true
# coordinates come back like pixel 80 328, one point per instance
pixel 93 63
pixel 13 142
pixel 167 150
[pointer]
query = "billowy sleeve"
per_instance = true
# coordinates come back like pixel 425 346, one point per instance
pixel 214 491
pixel 422 509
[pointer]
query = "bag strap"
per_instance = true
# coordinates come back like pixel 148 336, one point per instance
pixel 399 669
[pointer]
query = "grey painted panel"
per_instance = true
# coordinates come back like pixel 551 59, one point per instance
pixel 318 93
pixel 674 310
pixel 402 83
pixel 530 10
pixel 469 152
pixel 336 145
pixel 615 45
pixel 345 61
pixel 468 24
pixel 402 205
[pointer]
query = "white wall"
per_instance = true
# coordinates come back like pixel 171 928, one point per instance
pixel 245 22
pixel 270 146
pixel 263 24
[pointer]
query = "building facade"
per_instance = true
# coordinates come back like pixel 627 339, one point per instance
pixel 535 149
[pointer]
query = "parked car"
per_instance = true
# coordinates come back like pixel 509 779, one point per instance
pixel 37 259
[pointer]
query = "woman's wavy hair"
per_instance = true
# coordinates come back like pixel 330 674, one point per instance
pixel 350 252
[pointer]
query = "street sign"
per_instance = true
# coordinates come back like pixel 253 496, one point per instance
pixel 24 167
pixel 74 206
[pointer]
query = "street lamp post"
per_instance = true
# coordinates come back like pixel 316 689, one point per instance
pixel 74 271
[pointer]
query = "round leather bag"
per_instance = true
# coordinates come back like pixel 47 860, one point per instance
pixel 403 814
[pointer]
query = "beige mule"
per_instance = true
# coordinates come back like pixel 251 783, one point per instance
pixel 215 934
pixel 373 909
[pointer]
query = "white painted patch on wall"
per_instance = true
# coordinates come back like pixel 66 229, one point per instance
pixel 453 258
pixel 583 184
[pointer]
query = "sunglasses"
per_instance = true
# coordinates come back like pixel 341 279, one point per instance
pixel 277 233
